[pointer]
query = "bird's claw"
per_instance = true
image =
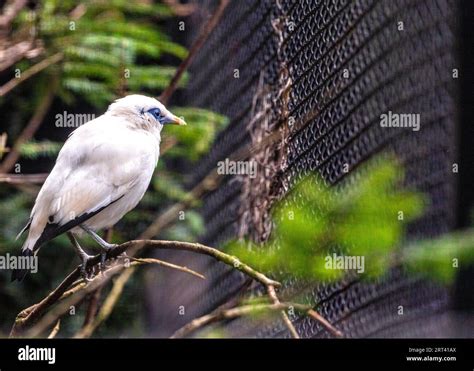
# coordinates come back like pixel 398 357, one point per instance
pixel 85 259
pixel 104 256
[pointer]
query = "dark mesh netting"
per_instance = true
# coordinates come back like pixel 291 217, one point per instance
pixel 334 67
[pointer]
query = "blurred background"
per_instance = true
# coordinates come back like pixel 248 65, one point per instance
pixel 319 73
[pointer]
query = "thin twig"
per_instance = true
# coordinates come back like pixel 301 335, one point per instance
pixel 23 178
pixel 315 315
pixel 55 330
pixel 166 264
pixel 117 290
pixel 201 39
pixel 286 320
pixel 31 128
pixel 180 10
pixel 45 63
pixel 61 309
pixel 223 314
pixel 108 305
pixel 227 259
pixel 92 308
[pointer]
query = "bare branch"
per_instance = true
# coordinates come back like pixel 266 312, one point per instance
pixel 181 10
pixel 23 178
pixel 50 317
pixel 45 63
pixel 31 128
pixel 286 320
pixel 223 314
pixel 93 306
pixel 11 9
pixel 166 264
pixel 70 291
pixel 334 331
pixel 251 309
pixel 108 305
pixel 201 39
pixel 55 330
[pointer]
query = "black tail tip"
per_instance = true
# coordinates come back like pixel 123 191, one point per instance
pixel 19 274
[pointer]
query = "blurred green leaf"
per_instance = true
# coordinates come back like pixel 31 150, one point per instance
pixel 34 149
pixel 359 219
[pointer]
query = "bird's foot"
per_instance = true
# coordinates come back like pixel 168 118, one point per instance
pixel 104 255
pixel 85 259
pixel 108 246
pixel 124 259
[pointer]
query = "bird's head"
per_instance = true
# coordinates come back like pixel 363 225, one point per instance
pixel 145 112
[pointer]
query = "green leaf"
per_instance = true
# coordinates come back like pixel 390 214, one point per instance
pixel 34 149
pixel 356 220
pixel 196 138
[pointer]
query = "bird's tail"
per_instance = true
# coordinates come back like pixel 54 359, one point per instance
pixel 26 250
pixel 19 274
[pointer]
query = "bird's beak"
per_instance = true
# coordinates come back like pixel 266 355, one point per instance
pixel 175 120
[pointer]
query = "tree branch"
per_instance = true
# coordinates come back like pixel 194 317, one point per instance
pixel 23 178
pixel 273 296
pixel 10 11
pixel 37 68
pixel 224 314
pixel 252 309
pixel 55 330
pixel 201 39
pixel 71 291
pixel 34 320
pixel 30 129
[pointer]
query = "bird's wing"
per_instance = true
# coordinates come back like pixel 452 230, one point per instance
pixel 96 166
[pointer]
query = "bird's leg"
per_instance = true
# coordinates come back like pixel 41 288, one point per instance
pixel 82 255
pixel 105 245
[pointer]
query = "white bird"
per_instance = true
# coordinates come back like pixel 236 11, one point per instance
pixel 101 173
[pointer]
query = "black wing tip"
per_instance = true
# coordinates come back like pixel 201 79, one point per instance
pixel 19 274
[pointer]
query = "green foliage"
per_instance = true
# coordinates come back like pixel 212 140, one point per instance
pixel 105 46
pixel 33 149
pixel 358 219
pixel 440 258
pixel 151 77
pixel 365 218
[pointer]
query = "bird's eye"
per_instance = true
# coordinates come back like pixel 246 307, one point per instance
pixel 155 112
